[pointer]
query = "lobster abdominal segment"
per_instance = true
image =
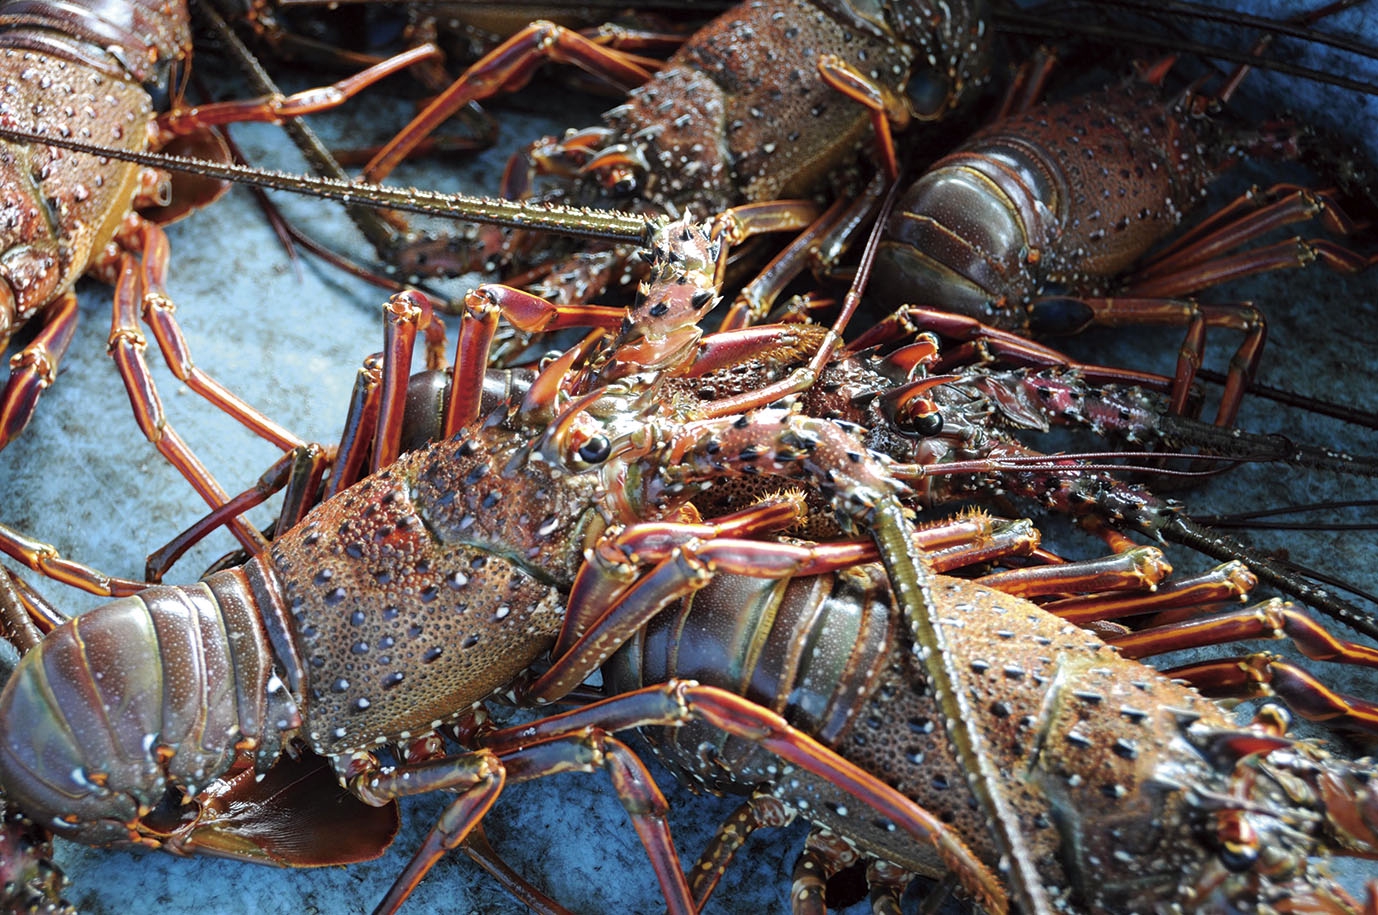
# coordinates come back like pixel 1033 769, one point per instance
pixel 190 683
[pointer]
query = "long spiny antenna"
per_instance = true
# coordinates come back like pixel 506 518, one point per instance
pixel 579 222
pixel 1040 23
pixel 1187 532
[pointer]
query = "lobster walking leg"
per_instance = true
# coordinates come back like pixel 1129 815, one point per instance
pixel 486 773
pixel 681 701
pixel 45 559
pixel 142 289
pixel 34 368
pixel 506 69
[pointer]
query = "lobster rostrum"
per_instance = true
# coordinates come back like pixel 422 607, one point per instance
pixel 331 638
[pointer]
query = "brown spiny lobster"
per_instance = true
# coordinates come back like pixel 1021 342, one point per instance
pixel 1078 202
pixel 771 100
pixel 1138 794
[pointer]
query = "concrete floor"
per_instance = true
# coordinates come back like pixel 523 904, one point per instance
pixel 290 340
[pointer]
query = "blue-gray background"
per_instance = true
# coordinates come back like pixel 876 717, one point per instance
pixel 290 340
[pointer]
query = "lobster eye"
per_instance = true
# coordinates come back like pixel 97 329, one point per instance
pixel 928 424
pixel 930 94
pixel 595 450
pixel 1238 859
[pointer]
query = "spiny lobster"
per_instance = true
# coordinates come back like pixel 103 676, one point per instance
pixel 1079 200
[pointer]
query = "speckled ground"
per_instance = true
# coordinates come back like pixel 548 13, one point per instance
pixel 290 339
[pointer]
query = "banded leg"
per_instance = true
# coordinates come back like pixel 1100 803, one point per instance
pixel 1262 674
pixel 479 778
pixel 506 69
pixel 34 368
pixel 678 702
pixel 1200 258
pixel 824 857
pixel 141 289
pixel 45 559
pixel 1208 256
pixel 978 342
pixel 581 741
pixel 761 810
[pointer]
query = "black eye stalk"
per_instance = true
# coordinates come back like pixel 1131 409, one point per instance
pixel 595 450
pixel 928 424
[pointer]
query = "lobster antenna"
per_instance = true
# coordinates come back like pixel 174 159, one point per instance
pixel 1067 464
pixel 1257 517
pixel 1342 412
pixel 1039 24
pixel 1177 431
pixel 368 220
pixel 1187 532
pixel 1327 579
pixel 1292 28
pixel 579 222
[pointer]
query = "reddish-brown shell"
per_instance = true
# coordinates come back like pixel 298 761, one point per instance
pixel 417 592
pixel 741 113
pixel 1090 745
pixel 59 209
pixel 1070 193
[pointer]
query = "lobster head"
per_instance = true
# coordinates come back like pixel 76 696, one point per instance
pixel 1281 810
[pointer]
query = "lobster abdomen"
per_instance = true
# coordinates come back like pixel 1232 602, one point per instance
pixel 138 702
pixel 1069 193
